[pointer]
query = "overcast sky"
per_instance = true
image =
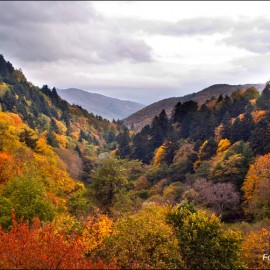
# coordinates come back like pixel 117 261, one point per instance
pixel 140 51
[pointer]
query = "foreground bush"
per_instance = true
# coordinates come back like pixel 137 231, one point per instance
pixel 204 244
pixel 39 247
pixel 144 241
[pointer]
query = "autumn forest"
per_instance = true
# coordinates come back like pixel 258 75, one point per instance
pixel 189 191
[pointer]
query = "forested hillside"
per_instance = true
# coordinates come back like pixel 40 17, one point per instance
pixel 189 191
pixel 145 116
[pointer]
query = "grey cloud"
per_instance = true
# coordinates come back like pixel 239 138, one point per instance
pixel 73 31
pixel 45 12
pixel 250 34
pixel 194 26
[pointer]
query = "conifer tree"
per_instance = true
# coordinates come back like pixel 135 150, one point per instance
pixel 263 102
pixel 123 140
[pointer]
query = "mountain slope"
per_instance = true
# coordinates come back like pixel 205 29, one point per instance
pixel 144 116
pixel 99 104
pixel 46 112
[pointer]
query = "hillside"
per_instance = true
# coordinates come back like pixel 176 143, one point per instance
pixel 76 133
pixel 79 192
pixel 107 107
pixel 45 111
pixel 144 116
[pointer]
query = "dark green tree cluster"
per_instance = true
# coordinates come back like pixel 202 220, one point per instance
pixel 224 118
pixel 151 137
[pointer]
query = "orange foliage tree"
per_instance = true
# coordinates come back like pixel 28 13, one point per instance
pixel 257 188
pixel 8 167
pixel 256 244
pixel 39 247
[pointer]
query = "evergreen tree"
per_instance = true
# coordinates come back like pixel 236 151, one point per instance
pixel 241 128
pixel 123 140
pixel 222 107
pixel 239 106
pixel 181 110
pixel 226 126
pixel 203 124
pixel 52 139
pixel 160 129
pixel 141 144
pixel 263 102
pixel 260 137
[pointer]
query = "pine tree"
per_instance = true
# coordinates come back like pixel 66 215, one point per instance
pixel 241 128
pixel 123 140
pixel 260 137
pixel 225 131
pixel 263 102
pixel 181 110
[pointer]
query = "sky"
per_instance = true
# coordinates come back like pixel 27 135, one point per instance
pixel 140 51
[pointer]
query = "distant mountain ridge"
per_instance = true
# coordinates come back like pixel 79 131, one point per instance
pixel 107 107
pixel 144 116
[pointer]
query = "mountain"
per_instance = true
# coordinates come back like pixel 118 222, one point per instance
pixel 144 116
pixel 107 107
pixel 62 124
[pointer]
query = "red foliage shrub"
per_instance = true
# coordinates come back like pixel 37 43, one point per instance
pixel 35 246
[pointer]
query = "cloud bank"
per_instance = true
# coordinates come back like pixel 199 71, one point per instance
pixel 75 44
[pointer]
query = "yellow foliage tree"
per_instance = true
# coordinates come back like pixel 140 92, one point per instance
pixel 10 128
pixel 62 129
pixel 96 228
pixel 223 145
pixel 159 156
pixel 18 158
pixel 162 154
pixel 61 139
pixel 144 241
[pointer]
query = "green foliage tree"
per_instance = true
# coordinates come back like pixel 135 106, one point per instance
pixel 27 197
pixel 109 183
pixel 51 138
pixel 251 93
pixel 204 244
pixel 29 137
pixel 78 203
